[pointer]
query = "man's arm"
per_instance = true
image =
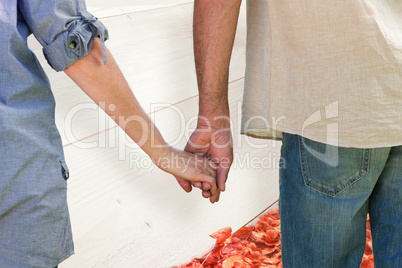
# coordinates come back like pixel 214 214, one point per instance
pixel 104 83
pixel 215 24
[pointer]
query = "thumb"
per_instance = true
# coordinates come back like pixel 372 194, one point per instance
pixel 221 177
pixel 198 142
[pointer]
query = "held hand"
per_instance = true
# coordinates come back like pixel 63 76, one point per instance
pixel 190 167
pixel 214 142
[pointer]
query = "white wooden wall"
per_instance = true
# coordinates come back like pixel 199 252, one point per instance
pixel 124 212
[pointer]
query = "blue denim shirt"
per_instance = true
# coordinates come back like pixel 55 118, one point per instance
pixel 34 222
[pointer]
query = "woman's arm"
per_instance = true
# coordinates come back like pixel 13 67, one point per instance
pixel 105 83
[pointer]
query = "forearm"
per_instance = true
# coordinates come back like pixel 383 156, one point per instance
pixel 215 25
pixel 107 87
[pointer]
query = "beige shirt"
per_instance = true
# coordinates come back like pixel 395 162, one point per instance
pixel 328 70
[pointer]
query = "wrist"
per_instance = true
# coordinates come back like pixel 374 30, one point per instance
pixel 156 147
pixel 214 121
pixel 211 110
pixel 160 155
pixel 214 105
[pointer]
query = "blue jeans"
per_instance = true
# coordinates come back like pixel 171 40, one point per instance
pixel 325 195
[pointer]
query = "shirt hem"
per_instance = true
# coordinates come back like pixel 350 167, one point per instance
pixel 271 134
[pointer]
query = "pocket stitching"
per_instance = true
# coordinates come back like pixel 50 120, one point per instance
pixel 308 181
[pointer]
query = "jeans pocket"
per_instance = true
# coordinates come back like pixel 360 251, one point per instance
pixel 330 169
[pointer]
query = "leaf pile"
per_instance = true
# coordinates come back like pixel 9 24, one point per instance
pixel 255 246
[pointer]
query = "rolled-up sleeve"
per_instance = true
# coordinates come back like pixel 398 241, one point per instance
pixel 64 28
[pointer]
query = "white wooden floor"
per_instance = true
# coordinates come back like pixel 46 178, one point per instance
pixel 124 212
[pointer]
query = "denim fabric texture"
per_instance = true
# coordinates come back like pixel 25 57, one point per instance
pixel 325 195
pixel 34 220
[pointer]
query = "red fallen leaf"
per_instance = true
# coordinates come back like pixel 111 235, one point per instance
pixel 235 240
pixel 273 214
pixel 239 265
pixel 239 247
pixel 229 249
pixel 252 246
pixel 222 238
pixel 256 255
pixel 258 235
pixel 222 234
pixel 273 256
pixel 268 250
pixel 248 256
pixel 273 236
pixel 227 230
pixel 243 233
pixel 210 263
pixel 235 261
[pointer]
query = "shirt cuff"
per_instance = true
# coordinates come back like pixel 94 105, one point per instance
pixel 75 43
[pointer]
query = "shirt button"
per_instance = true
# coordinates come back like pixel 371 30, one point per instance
pixel 65 173
pixel 73 44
